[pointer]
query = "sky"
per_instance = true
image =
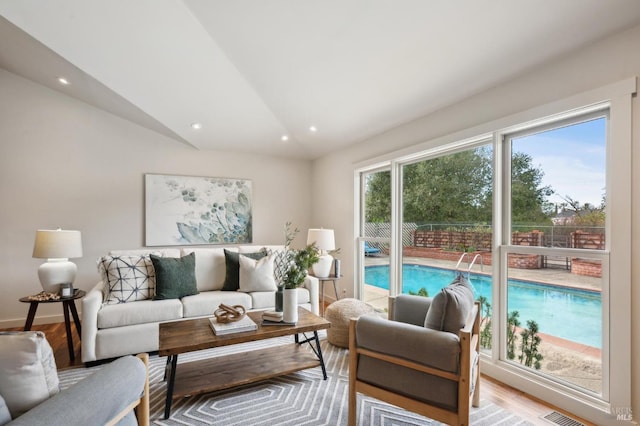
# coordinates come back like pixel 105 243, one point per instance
pixel 573 160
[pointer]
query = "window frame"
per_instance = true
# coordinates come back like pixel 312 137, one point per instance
pixel 617 355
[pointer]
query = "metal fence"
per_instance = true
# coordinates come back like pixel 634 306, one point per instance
pixel 554 235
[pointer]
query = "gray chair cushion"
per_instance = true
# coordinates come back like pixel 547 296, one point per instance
pixel 95 399
pixel 5 415
pixel 410 309
pixel 450 308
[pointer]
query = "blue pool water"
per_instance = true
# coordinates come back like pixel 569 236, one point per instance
pixel 567 313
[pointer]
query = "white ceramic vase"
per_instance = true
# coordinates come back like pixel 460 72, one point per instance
pixel 290 305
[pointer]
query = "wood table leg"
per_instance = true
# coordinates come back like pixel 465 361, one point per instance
pixel 76 318
pixel 67 325
pixel 33 307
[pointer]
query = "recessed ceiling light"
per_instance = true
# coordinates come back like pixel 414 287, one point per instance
pixel 313 129
pixel 196 126
pixel 284 138
pixel 63 81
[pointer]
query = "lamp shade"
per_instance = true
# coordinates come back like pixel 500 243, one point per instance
pixel 323 238
pixel 57 244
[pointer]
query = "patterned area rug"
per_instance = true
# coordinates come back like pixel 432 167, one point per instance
pixel 301 398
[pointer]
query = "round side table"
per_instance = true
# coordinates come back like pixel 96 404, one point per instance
pixel 68 305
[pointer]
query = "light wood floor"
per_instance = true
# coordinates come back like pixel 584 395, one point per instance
pixel 502 395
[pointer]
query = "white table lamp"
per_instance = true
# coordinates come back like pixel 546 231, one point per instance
pixel 57 246
pixel 325 241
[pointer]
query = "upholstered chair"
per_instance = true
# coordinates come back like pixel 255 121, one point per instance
pixel 424 358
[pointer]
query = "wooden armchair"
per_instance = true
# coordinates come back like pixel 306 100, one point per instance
pixel 141 406
pixel 433 373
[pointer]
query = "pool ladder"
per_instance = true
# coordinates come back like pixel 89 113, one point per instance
pixel 473 261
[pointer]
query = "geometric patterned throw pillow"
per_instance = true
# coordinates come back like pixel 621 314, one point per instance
pixel 127 278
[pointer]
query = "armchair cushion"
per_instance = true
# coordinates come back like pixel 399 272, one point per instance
pixel 450 308
pixel 28 373
pixel 421 345
pixel 414 343
pixel 409 309
pixel 94 400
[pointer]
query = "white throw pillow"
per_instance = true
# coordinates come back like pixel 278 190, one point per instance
pixel 257 275
pixel 28 372
pixel 127 278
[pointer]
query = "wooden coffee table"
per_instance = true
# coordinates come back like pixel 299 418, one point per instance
pixel 223 372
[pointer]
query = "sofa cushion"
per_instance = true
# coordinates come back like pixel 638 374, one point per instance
pixel 142 312
pixel 256 275
pixel 207 302
pixel 175 277
pixel 29 374
pixel 127 278
pixel 232 268
pixel 451 306
pixel 210 267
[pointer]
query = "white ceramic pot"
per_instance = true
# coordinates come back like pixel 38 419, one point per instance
pixel 290 305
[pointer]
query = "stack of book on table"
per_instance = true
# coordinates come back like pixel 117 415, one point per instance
pixel 274 318
pixel 245 324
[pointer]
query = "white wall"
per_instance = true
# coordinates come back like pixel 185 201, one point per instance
pixel 66 164
pixel 606 62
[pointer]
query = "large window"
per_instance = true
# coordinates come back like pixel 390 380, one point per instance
pixel 544 218
pixel 556 254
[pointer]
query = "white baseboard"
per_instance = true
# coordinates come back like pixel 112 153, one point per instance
pixel 40 319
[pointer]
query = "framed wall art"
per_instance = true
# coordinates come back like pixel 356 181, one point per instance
pixel 190 210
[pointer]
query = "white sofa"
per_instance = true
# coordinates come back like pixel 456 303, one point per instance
pixel 113 330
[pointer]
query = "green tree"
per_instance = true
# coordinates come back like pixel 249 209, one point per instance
pixel 378 197
pixel 458 188
pixel 451 188
pixel 585 214
pixel 528 196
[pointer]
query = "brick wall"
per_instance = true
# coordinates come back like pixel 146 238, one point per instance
pixel 586 267
pixel 525 261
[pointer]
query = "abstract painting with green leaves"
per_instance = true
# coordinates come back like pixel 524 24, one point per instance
pixel 189 210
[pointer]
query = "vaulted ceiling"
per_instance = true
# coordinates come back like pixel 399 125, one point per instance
pixel 250 72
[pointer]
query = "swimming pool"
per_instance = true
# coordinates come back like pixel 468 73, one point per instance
pixel 567 313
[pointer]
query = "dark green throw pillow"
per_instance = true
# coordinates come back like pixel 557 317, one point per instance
pixel 232 263
pixel 175 277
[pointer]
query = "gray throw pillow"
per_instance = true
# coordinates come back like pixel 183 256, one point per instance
pixel 451 306
pixel 175 277
pixel 232 264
